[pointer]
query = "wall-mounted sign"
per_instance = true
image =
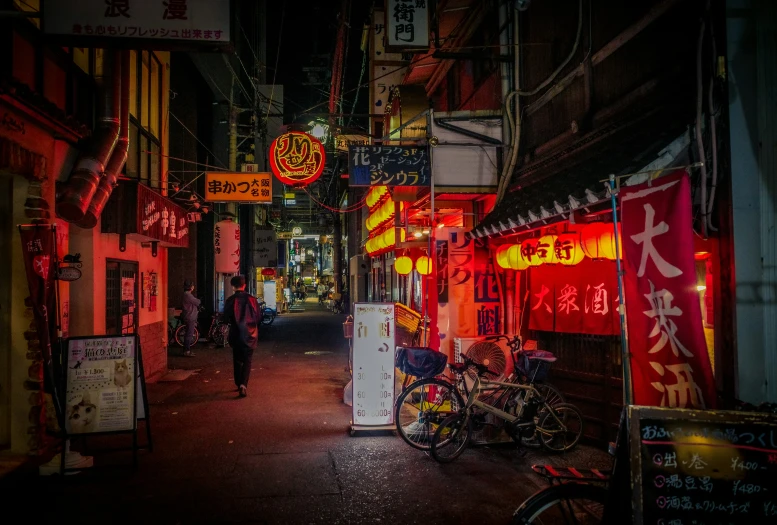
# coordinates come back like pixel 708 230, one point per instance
pixel 297 159
pixel 343 141
pixel 265 248
pixel 68 273
pixel 249 168
pixel 222 186
pixel 226 246
pixel 145 215
pixel 407 25
pixel 388 166
pixel 296 231
pixel 289 195
pixel 284 236
pixel 185 21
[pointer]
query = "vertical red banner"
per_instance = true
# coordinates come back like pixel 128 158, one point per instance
pixel 669 361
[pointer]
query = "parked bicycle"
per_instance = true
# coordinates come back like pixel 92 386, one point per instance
pixel 218 331
pixel 425 403
pixel 558 427
pixel 268 314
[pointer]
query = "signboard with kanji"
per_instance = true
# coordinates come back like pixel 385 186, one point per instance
pixel 388 166
pixel 297 159
pixel 407 24
pixel 224 186
pixel 188 21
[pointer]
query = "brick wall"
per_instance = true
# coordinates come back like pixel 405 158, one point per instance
pixel 152 338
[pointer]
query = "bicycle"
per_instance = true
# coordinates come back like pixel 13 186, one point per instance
pixel 268 314
pixel 218 332
pixel 424 403
pixel 558 428
pixel 180 331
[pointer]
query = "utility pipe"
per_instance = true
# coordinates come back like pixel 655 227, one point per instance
pixel 119 155
pixel 77 193
pixel 699 139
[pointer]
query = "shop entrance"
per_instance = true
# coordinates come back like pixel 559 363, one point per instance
pixel 121 297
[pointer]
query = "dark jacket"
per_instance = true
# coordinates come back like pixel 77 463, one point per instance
pixel 244 317
pixel 191 307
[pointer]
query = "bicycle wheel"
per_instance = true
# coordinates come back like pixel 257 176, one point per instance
pixel 268 318
pixel 180 335
pixel 220 334
pixel 451 437
pixel 578 503
pixel 421 408
pixel 559 429
pixel 553 397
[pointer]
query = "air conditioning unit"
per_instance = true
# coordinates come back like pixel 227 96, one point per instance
pixel 499 360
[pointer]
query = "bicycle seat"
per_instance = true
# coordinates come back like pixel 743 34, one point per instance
pixel 540 355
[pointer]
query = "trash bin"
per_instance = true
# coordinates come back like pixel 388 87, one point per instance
pixel 348 327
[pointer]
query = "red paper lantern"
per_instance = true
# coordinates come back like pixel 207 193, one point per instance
pixel 297 159
pixel 589 239
pixel 268 272
pixel 529 252
pixel 569 250
pixel 546 249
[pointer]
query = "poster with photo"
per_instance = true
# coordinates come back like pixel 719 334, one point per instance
pixel 100 390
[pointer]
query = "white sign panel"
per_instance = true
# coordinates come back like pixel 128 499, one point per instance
pixel 373 364
pixel 226 245
pixel 269 294
pixel 465 166
pixel 101 382
pixel 265 248
pixel 407 24
pixel 202 21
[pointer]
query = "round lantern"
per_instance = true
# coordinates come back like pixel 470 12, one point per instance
pixel 501 256
pixel 514 258
pixel 268 272
pixel 569 250
pixel 297 159
pixel 424 265
pixel 546 249
pixel 607 248
pixel 529 252
pixel 589 239
pixel 403 265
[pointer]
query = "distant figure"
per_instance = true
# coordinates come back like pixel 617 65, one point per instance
pixel 191 308
pixel 241 311
pixel 321 291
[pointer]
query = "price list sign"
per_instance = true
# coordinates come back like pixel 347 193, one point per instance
pixel 373 364
pixel 703 467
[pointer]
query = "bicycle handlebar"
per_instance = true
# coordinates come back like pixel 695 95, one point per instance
pixel 481 368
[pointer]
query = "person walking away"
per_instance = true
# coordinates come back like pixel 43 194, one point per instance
pixel 321 290
pixel 241 310
pixel 191 308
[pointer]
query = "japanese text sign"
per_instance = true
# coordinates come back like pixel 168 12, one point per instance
pixel 388 166
pixel 222 186
pixel 205 21
pixel 580 299
pixel 373 363
pixel 160 219
pixel 670 366
pixel 297 159
pixel 226 246
pixel 407 24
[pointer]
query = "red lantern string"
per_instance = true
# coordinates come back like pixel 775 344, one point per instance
pixel 359 205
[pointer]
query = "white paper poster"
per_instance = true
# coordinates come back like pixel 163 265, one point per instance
pixel 373 364
pixel 101 382
pixel 269 294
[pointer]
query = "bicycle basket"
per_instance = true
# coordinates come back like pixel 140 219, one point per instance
pixel 421 362
pixel 533 368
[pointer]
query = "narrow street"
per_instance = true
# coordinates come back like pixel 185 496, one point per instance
pixel 283 454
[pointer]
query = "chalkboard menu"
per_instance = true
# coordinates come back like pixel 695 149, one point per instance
pixel 692 467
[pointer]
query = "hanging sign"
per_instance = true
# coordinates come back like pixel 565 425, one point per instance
pixel 224 186
pixel 101 382
pixel 407 25
pixel 670 365
pixel 68 273
pixel 388 166
pixel 265 248
pixel 297 159
pixel 373 364
pixel 226 245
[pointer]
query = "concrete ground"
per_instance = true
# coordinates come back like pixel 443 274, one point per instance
pixel 281 455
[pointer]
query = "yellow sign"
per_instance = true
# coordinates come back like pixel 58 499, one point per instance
pixel 221 186
pixel 289 195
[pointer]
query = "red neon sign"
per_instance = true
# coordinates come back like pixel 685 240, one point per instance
pixel 297 159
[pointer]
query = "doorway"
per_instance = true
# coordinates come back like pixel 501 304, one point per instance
pixel 121 297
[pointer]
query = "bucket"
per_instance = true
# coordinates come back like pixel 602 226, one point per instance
pixel 348 328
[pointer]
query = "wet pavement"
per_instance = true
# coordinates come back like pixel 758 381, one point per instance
pixel 282 455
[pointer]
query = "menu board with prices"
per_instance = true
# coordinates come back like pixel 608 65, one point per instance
pixel 703 467
pixel 373 365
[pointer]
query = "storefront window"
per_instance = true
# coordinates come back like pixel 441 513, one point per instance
pixel 145 150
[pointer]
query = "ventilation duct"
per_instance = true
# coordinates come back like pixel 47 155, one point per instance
pixel 119 155
pixel 74 198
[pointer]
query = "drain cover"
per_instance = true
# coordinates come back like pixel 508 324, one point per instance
pixel 318 352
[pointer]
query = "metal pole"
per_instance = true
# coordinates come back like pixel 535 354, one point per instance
pixel 626 359
pixel 432 228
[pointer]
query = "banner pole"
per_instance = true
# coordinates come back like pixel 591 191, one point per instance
pixel 626 356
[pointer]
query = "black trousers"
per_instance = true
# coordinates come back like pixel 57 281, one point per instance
pixel 242 355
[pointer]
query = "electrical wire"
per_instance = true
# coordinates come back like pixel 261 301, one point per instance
pixel 277 60
pixel 348 209
pixel 195 138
